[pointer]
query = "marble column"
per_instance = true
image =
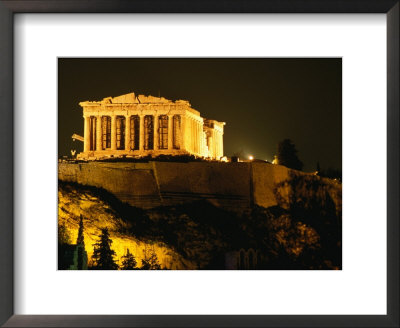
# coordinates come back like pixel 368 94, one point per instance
pixel 183 133
pixel 196 136
pixel 192 135
pixel 217 155
pixel 127 133
pixel 202 144
pixel 113 132
pixel 189 135
pixel 212 144
pixel 155 132
pixel 199 136
pixel 170 132
pixel 86 135
pixel 221 142
pixel 141 132
pixel 98 134
pixel 218 146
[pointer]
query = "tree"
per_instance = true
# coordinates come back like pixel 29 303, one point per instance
pixel 103 255
pixel 80 242
pixel 64 240
pixel 128 261
pixel 287 155
pixel 81 239
pixel 64 236
pixel 150 261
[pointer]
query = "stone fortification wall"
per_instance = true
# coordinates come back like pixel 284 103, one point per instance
pixel 133 183
pixel 223 184
pixel 146 185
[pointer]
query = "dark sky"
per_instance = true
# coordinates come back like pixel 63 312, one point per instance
pixel 262 100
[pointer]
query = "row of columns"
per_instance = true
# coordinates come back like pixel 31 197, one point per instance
pixel 99 134
pixel 218 151
pixel 195 132
pixel 217 144
pixel 86 134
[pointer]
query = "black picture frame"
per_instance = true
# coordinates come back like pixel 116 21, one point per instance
pixel 10 7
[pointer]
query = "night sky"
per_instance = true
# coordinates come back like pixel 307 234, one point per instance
pixel 262 100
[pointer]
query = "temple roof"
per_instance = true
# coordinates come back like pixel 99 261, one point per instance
pixel 132 98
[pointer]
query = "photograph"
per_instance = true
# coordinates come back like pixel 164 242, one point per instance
pixel 220 163
pixel 190 164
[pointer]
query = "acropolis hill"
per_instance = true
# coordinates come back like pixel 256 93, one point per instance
pixel 153 172
pixel 134 125
pixel 140 126
pixel 204 215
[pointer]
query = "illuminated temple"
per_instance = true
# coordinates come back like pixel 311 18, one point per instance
pixel 136 125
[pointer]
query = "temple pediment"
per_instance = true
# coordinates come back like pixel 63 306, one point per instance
pixel 132 98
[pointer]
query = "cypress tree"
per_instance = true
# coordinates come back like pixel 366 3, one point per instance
pixel 287 155
pixel 80 242
pixel 128 261
pixel 81 239
pixel 103 255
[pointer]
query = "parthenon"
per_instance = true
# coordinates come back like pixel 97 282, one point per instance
pixel 138 125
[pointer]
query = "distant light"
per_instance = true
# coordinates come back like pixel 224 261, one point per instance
pixel 251 157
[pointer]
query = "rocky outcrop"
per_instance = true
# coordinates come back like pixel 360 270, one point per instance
pixel 200 212
pixel 98 213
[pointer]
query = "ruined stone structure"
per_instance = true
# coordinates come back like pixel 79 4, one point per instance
pixel 137 125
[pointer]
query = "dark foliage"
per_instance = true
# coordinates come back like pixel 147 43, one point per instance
pixel 64 236
pixel 301 232
pixel 64 243
pixel 150 261
pixel 103 255
pixel 128 261
pixel 287 155
pixel 81 237
pixel 331 174
pixel 81 241
pixel 310 206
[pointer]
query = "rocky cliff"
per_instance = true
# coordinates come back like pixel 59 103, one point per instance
pixel 194 214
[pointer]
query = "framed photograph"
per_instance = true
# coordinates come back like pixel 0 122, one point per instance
pixel 199 164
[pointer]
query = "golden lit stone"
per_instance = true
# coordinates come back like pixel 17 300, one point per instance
pixel 137 125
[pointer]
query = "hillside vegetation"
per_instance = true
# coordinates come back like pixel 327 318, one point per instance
pixel 303 231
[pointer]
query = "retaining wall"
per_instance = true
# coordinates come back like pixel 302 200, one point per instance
pixel 146 185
